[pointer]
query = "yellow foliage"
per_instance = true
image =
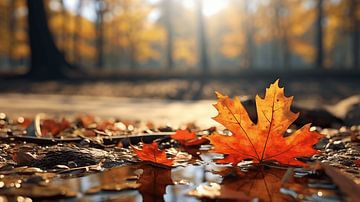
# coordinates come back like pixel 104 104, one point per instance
pixel 304 49
pixel 21 50
pixel 185 50
pixel 233 45
pixel 87 51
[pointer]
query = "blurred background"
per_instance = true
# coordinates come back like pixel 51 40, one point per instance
pixel 180 49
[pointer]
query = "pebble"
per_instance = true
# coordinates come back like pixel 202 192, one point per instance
pixel 336 145
pixel 321 144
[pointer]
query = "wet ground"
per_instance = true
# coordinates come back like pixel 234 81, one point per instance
pixel 65 155
pixel 87 158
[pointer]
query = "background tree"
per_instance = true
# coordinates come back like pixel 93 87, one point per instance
pixel 100 6
pixel 319 35
pixel 168 18
pixel 145 34
pixel 47 62
pixel 355 27
pixel 12 29
pixel 77 33
pixel 201 37
pixel 249 32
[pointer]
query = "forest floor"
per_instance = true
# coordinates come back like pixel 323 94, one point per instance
pixel 178 102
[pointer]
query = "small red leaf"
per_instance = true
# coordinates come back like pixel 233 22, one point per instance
pixel 151 153
pixel 183 135
pixel 187 138
pixel 50 127
pixel 357 162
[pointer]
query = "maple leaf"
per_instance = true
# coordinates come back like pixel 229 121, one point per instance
pixel 263 141
pixel 187 138
pixel 151 153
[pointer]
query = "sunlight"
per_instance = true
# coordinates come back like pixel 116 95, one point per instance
pixel 210 7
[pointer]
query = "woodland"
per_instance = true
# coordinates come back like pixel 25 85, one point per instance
pixel 178 36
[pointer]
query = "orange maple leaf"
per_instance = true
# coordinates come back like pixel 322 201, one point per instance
pixel 187 138
pixel 151 153
pixel 263 141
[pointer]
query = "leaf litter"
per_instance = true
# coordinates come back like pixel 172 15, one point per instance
pixel 87 157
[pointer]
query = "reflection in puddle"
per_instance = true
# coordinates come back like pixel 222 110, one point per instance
pixel 148 183
pixel 142 182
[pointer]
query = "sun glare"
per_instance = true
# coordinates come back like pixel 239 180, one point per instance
pixel 210 7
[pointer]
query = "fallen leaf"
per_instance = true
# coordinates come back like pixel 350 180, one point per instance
pixel 263 141
pixel 151 153
pixel 187 138
pixel 24 122
pixel 356 162
pixel 23 157
pixel 183 135
pixel 51 127
pixel 197 141
pixel 87 120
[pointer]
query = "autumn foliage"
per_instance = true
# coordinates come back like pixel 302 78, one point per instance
pixel 151 153
pixel 263 141
pixel 187 138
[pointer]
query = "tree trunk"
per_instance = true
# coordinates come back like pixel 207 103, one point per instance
pixel 281 32
pixel 100 33
pixel 249 45
pixel 168 9
pixel 77 34
pixel 12 29
pixel 202 42
pixel 47 62
pixel 319 36
pixel 64 42
pixel 355 34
